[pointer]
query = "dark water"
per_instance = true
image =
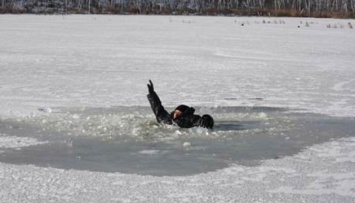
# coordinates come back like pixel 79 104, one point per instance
pixel 128 140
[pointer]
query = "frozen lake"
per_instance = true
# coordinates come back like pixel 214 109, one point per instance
pixel 205 61
pixel 73 109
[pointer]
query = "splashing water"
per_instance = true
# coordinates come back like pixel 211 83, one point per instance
pixel 129 139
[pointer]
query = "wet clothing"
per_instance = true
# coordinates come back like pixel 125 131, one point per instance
pixel 187 119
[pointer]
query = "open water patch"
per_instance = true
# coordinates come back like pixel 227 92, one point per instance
pixel 129 140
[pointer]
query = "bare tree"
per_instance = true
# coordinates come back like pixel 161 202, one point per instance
pixel 307 7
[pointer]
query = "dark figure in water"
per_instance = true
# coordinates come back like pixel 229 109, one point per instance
pixel 183 115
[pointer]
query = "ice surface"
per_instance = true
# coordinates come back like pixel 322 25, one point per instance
pixel 51 63
pixel 315 175
pixel 7 142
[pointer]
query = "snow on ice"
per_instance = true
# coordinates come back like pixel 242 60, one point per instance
pixel 83 61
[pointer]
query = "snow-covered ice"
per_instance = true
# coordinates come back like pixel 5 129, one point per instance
pixel 67 77
pixel 315 175
pixel 51 61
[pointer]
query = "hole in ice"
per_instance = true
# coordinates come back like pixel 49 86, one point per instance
pixel 129 140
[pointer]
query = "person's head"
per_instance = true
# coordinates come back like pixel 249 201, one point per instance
pixel 178 111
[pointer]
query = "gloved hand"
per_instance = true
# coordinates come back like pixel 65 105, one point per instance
pixel 150 87
pixel 207 121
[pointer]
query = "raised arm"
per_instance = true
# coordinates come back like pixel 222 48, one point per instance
pixel 160 113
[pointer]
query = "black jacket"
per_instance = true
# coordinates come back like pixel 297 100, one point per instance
pixel 186 120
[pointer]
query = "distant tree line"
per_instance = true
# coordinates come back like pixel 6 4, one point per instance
pixel 315 8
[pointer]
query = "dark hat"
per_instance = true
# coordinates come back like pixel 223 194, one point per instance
pixel 182 108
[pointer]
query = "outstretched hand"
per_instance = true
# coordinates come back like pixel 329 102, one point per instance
pixel 150 87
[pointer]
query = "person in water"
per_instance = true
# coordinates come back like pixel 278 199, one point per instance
pixel 183 116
